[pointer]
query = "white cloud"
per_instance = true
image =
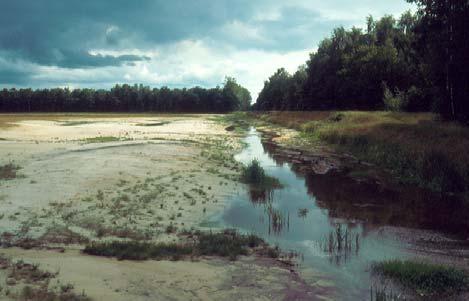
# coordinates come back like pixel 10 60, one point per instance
pixel 186 63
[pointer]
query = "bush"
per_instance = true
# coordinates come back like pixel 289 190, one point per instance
pixel 395 102
pixel 255 175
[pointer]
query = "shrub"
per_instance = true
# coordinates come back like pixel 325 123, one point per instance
pixel 395 102
pixel 254 175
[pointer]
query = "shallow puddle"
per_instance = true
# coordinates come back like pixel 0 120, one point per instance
pixel 334 223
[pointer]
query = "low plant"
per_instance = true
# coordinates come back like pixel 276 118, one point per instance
pixel 134 250
pixel 254 174
pixel 423 278
pixel 9 171
pixel 103 139
pixel 340 244
pixel 228 243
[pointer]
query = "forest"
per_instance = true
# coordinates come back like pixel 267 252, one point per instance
pixel 417 62
pixel 127 98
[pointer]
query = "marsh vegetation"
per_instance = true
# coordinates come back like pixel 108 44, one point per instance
pixel 424 278
pixel 254 175
pixel 228 243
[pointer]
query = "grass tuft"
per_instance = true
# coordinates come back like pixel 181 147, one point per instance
pixel 9 171
pixel 104 139
pixel 225 244
pixel 134 250
pixel 254 174
pixel 423 278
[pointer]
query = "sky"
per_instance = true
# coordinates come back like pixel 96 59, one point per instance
pixel 175 43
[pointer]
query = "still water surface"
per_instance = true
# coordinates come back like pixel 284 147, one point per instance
pixel 304 214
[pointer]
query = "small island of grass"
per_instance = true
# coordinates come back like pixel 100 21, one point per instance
pixel 254 175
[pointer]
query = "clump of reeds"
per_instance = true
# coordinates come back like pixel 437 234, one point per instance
pixel 340 244
pixel 254 174
pixel 277 220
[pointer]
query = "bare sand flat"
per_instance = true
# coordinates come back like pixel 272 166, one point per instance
pixel 102 177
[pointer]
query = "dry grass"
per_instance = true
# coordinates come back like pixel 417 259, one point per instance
pixel 415 146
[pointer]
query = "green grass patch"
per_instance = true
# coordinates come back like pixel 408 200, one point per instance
pixel 9 171
pixel 103 139
pixel 133 250
pixel 225 244
pixel 423 278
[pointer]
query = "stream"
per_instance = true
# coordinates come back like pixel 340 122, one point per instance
pixel 336 225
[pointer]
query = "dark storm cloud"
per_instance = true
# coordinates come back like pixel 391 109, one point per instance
pixel 99 35
pixel 57 32
pixel 60 33
pixel 12 76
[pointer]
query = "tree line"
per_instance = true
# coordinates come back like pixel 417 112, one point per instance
pixel 127 98
pixel 418 62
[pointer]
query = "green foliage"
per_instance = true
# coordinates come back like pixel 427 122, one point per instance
pixel 254 174
pixel 137 250
pixel 424 278
pixel 442 46
pixel 226 244
pixel 126 98
pixel 349 67
pixel 240 95
pixel 421 56
pixel 393 101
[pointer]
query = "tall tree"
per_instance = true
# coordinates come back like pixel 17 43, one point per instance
pixel 444 42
